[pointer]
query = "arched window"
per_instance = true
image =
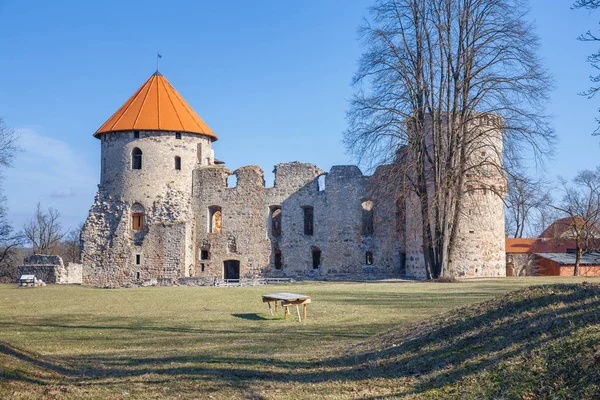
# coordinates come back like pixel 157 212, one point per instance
pixel 367 218
pixel 308 220
pixel 215 219
pixel 276 221
pixel 137 217
pixel 136 159
pixel 369 258
pixel 177 162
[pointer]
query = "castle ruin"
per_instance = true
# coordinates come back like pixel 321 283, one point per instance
pixel 164 211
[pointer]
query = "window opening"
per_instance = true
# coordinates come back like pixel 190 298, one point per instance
pixel 177 162
pixel 278 262
pixel 136 159
pixel 136 134
pixel 316 257
pixel 215 219
pixel 367 218
pixel 137 259
pixel 204 254
pixel 177 135
pixel 138 275
pixel 369 258
pixel 308 220
pixel 276 221
pixel 137 221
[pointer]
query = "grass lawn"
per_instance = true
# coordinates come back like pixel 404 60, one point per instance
pixel 187 342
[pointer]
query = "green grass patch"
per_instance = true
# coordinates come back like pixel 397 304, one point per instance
pixel 361 340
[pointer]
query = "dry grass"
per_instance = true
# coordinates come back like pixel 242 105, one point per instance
pixel 183 342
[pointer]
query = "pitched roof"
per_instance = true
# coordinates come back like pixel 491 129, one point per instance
pixel 156 106
pixel 538 245
pixel 569 259
pixel 561 227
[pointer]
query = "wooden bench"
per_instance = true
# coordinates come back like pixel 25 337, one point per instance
pixel 287 300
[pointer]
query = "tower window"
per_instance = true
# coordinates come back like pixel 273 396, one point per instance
pixel 177 135
pixel 316 257
pixel 276 221
pixel 204 254
pixel 278 263
pixel 177 162
pixel 308 220
pixel 136 159
pixel 136 134
pixel 137 222
pixel 367 218
pixel 137 217
pixel 138 259
pixel 215 219
pixel 138 275
pixel 369 258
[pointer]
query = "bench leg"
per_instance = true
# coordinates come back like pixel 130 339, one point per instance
pixel 304 311
pixel 275 306
pixel 270 309
pixel 298 311
pixel 286 310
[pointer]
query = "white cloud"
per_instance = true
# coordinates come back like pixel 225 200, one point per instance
pixel 63 192
pixel 50 171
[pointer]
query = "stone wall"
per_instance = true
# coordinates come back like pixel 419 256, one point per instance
pixel 363 226
pixel 247 234
pixel 51 269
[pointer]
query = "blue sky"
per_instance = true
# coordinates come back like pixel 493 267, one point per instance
pixel 271 78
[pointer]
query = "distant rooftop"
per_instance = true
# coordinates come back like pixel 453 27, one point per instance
pixel 569 258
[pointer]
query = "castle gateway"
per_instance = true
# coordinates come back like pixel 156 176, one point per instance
pixel 164 210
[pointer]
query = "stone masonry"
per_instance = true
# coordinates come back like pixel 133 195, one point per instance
pixel 164 212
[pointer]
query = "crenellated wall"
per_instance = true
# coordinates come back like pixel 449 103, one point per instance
pixel 247 234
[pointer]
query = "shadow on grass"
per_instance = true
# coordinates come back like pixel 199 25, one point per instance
pixel 251 317
pixel 434 354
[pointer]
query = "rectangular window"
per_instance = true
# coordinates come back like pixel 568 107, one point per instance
pixel 369 258
pixel 138 275
pixel 308 220
pixel 177 135
pixel 137 222
pixel 278 259
pixel 202 267
pixel 138 259
pixel 316 258
pixel 136 134
pixel 204 254
pixel 276 221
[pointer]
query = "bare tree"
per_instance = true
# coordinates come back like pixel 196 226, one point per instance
pixel 594 58
pixel 9 241
pixel 526 201
pixel 70 249
pixel 443 78
pixel 9 244
pixel 44 231
pixel 581 204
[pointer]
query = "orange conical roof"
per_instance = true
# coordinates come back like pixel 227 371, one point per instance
pixel 156 106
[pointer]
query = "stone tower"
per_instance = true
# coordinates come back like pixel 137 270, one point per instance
pixel 480 240
pixel 142 210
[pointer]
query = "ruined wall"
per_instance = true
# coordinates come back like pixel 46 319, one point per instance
pixel 247 236
pixel 50 269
